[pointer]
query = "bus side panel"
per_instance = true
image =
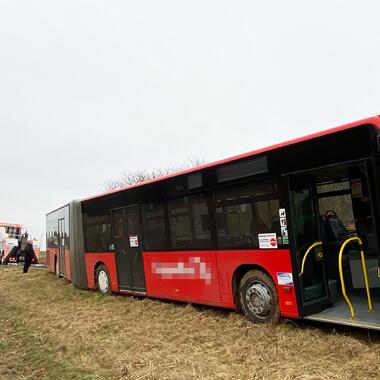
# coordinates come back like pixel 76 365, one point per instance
pixel 108 259
pixel 276 262
pixel 67 265
pixel 183 276
pixel 206 276
pixel 51 254
pixel 58 237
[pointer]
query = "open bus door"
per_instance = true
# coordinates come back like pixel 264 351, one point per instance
pixel 307 244
pixel 334 224
pixel 373 171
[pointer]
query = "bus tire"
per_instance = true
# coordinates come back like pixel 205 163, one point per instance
pixel 103 280
pixel 258 297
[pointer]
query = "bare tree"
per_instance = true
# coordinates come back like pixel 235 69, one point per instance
pixel 131 177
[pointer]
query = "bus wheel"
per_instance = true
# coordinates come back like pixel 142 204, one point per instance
pixel 102 278
pixel 258 297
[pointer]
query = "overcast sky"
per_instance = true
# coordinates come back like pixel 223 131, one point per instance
pixel 89 89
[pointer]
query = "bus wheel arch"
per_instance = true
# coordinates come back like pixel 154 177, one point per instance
pixel 255 294
pixel 102 278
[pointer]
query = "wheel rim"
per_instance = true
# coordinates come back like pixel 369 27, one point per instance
pixel 259 299
pixel 103 281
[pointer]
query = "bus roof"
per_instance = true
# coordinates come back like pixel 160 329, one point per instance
pixel 375 120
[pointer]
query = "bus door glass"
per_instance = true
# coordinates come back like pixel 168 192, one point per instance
pixel 365 203
pixel 305 224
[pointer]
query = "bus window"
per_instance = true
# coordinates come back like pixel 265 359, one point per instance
pixel 180 223
pixel 201 222
pixel 234 225
pixel 245 212
pixel 154 226
pixel 189 222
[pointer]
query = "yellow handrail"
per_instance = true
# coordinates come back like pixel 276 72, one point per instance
pixel 316 244
pixel 352 311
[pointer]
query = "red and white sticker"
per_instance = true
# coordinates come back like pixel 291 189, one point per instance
pixel 267 241
pixel 133 241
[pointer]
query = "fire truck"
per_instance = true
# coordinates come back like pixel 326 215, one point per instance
pixel 13 239
pixel 10 233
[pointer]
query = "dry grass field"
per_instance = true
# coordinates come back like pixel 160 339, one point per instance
pixel 50 330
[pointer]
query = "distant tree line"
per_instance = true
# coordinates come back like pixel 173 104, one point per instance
pixel 131 177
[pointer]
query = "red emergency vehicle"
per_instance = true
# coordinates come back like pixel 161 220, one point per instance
pixel 291 230
pixel 10 233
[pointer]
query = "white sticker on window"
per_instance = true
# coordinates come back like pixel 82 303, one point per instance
pixel 283 224
pixel 267 241
pixel 133 241
pixel 284 232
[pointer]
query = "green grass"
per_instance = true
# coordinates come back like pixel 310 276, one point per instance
pixel 26 352
pixel 50 330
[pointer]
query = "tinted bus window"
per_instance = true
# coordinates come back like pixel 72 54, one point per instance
pixel 189 223
pixel 154 226
pixel 201 222
pixel 97 233
pixel 180 223
pixel 244 213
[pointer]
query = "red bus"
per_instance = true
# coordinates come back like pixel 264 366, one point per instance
pixel 278 232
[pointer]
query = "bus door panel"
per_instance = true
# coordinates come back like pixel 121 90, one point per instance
pixel 121 256
pixel 365 204
pixel 134 247
pixel 127 235
pixel 375 180
pixel 186 276
pixel 306 230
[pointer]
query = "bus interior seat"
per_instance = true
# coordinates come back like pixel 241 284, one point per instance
pixel 334 227
pixel 258 227
pixel 334 233
pixel 275 225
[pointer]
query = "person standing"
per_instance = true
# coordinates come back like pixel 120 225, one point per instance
pixel 29 256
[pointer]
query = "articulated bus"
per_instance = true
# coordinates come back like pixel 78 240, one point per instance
pixel 289 231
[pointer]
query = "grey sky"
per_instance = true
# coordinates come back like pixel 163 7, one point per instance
pixel 91 88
